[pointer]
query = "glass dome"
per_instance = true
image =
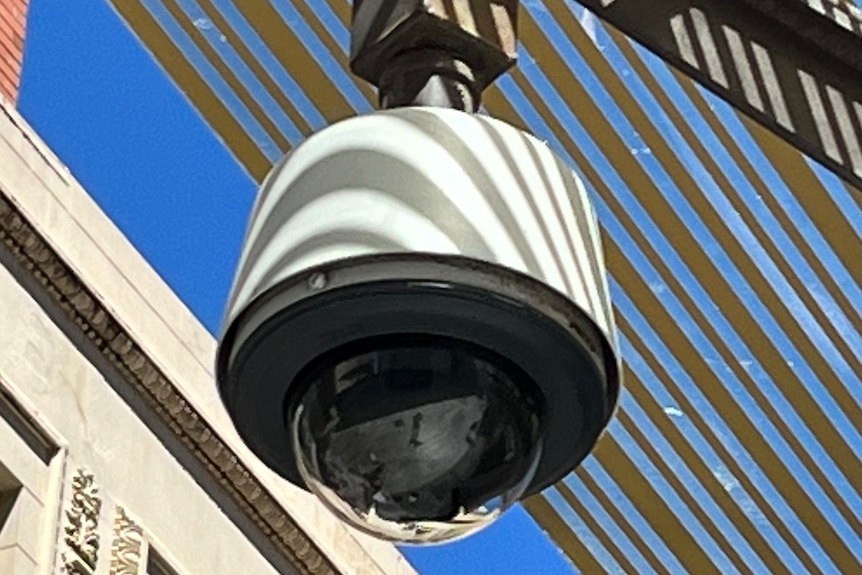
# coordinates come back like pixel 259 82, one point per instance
pixel 440 437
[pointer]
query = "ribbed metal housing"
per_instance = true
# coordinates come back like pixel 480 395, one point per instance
pixel 425 180
pixel 422 221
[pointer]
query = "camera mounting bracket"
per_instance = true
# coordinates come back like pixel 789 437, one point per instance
pixel 433 52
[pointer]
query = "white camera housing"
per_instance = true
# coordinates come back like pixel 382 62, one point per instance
pixel 422 222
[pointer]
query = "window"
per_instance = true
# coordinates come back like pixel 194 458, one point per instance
pixel 156 564
pixel 27 429
pixel 9 489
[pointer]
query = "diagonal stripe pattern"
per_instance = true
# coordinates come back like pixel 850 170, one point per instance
pixel 716 42
pixel 735 263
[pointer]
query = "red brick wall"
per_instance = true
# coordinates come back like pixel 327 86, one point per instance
pixel 12 14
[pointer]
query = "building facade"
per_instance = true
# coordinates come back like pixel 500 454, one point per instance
pixel 12 21
pixel 115 453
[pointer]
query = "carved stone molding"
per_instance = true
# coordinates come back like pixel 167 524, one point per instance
pixel 73 299
pixel 128 545
pixel 81 526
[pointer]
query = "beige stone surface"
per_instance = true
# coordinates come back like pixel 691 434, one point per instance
pixel 81 406
pixel 130 464
pixel 23 526
pixel 22 463
pixel 14 561
pixel 30 527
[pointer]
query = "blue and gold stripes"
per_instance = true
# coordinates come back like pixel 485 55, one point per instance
pixel 735 267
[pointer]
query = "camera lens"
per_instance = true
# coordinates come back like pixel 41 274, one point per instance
pixel 417 439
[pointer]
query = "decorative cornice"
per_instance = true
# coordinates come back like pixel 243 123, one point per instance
pixel 118 347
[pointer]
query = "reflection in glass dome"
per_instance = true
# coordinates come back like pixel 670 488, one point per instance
pixel 417 440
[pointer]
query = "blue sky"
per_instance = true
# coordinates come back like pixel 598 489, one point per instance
pixel 130 137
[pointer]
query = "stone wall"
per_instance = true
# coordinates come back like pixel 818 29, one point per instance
pixel 114 374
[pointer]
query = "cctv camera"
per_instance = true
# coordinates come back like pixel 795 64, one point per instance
pixel 419 329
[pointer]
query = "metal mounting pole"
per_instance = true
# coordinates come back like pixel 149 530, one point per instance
pixel 431 52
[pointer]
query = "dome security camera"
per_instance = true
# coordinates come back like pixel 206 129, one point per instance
pixel 419 330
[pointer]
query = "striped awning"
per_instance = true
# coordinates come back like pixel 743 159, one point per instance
pixel 735 265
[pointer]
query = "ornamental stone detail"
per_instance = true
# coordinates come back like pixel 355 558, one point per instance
pixel 81 526
pixel 127 546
